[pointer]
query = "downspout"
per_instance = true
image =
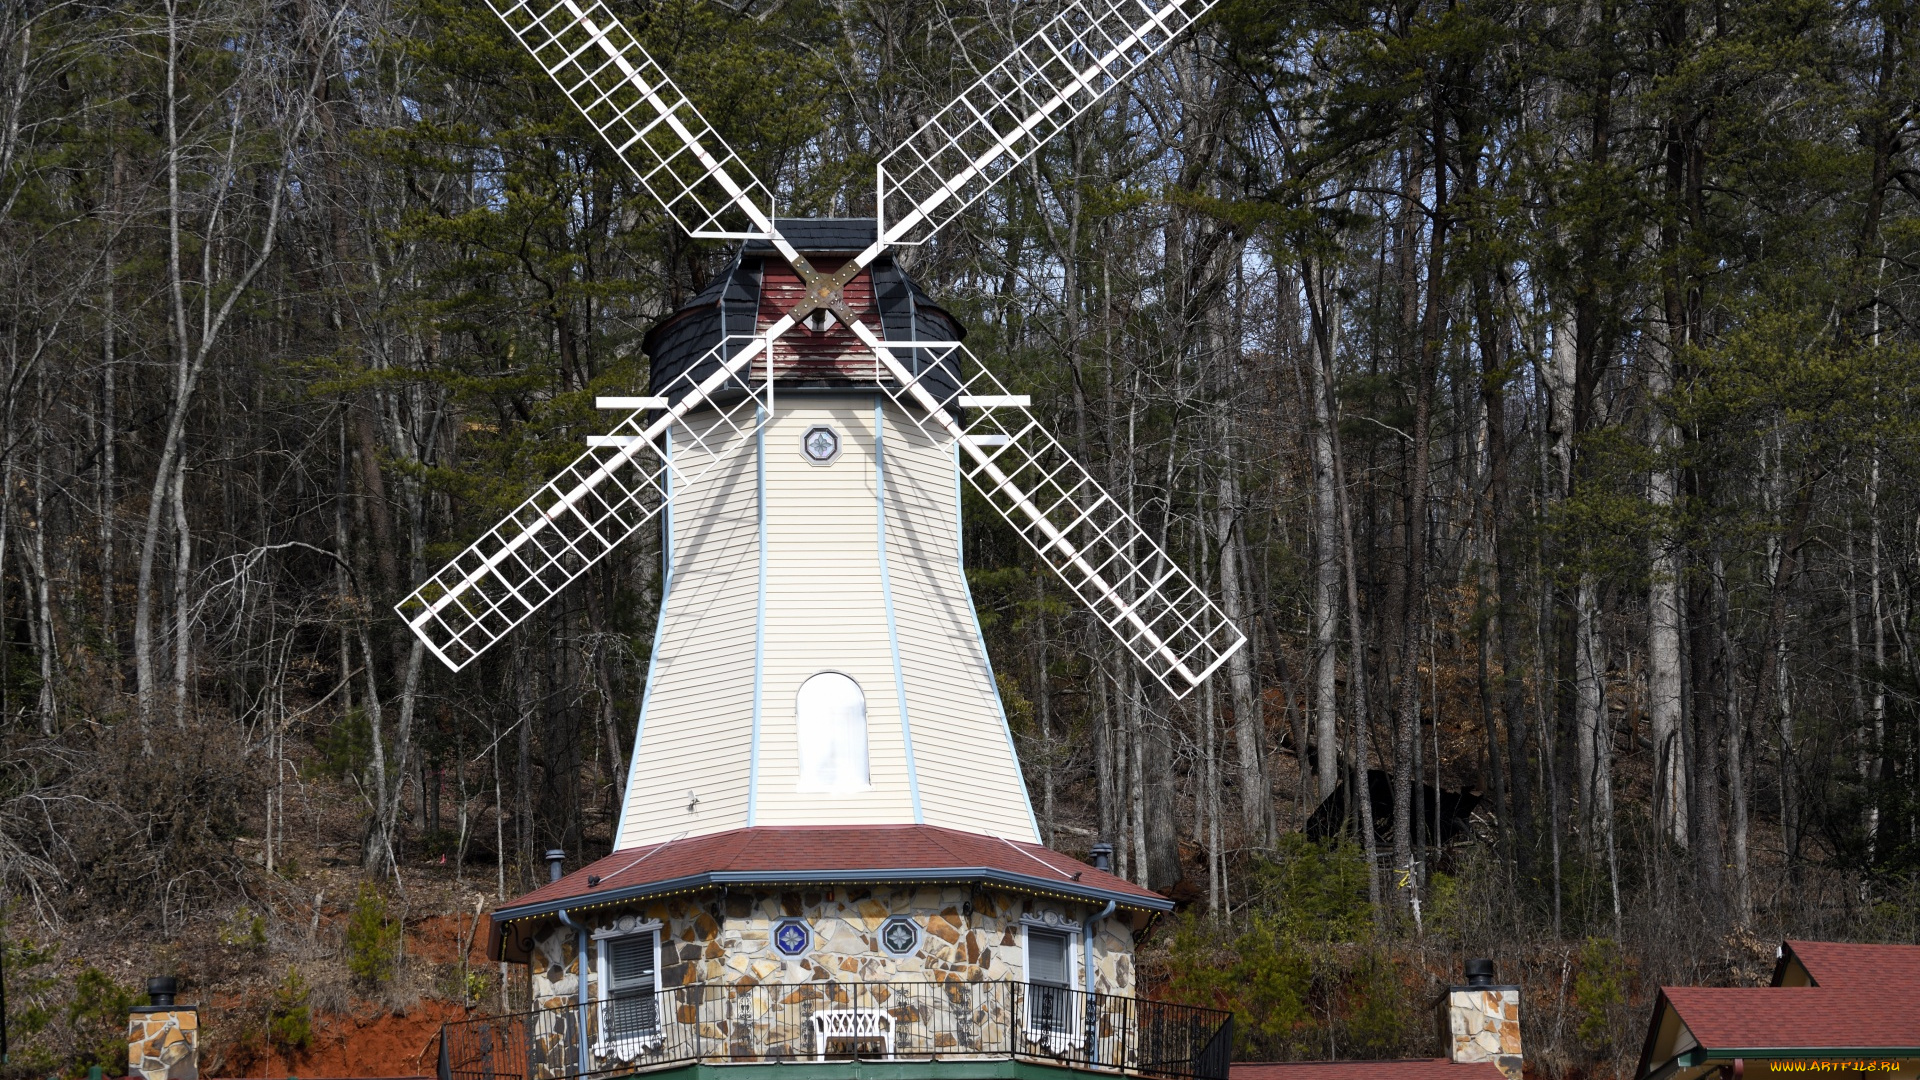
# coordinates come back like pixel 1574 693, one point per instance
pixel 1086 978
pixel 580 955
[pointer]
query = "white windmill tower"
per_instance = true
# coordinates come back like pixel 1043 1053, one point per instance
pixel 823 783
pixel 819 533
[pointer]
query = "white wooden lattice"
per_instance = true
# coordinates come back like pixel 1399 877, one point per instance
pixel 650 124
pixel 606 494
pixel 1090 47
pixel 1088 538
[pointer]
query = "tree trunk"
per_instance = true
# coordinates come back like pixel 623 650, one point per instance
pixel 1324 318
pixel 1357 791
pixel 1162 827
pixel 1249 726
pixel 1670 766
pixel 1413 604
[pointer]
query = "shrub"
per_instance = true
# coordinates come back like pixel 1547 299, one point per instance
pixel 97 1021
pixel 1260 976
pixel 1317 891
pixel 289 1016
pixel 246 929
pixel 1598 992
pixel 372 937
pixel 31 983
pixel 1376 1015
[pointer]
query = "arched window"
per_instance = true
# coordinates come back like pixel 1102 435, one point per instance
pixel 832 720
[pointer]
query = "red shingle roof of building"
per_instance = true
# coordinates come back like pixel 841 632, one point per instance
pixel 1796 1017
pixel 822 855
pixel 1864 998
pixel 1411 1069
pixel 1838 965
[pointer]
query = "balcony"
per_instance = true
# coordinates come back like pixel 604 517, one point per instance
pixel 827 1021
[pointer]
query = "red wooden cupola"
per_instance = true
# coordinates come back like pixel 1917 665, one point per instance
pixel 758 287
pixel 821 349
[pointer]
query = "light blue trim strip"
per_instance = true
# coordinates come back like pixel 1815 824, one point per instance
pixel 659 625
pixel 886 596
pixel 759 613
pixel 980 637
pixel 666 483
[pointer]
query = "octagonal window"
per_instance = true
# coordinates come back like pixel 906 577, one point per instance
pixel 821 444
pixel 900 936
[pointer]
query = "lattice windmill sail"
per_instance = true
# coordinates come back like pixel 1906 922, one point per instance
pixel 854 326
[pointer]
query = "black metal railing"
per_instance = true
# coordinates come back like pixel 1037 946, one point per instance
pixel 839 1021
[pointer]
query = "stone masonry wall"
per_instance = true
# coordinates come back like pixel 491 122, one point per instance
pixel 1485 1026
pixel 956 944
pixel 163 1044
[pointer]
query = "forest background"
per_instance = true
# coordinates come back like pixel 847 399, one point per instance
pixel 1532 380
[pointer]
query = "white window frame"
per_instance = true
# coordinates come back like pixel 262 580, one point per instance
pixel 1071 1035
pixel 603 990
pixel 803 784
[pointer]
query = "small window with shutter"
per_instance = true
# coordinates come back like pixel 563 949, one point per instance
pixel 629 987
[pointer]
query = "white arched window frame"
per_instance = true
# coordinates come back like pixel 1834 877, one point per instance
pixel 830 715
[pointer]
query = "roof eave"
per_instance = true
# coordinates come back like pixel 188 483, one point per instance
pixel 833 877
pixel 1704 1054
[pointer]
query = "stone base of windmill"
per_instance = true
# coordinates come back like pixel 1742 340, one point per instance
pixel 909 933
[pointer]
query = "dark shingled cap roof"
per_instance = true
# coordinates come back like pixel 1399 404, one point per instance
pixel 822 236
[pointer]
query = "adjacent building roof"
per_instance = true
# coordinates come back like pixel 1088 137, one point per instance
pixel 1412 1069
pixel 823 855
pixel 1835 964
pixel 1828 1000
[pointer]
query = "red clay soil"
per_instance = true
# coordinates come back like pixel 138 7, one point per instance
pixel 369 1043
pixel 437 938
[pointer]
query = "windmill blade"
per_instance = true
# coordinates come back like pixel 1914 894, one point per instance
pixel 623 481
pixel 650 124
pixel 1008 113
pixel 1123 575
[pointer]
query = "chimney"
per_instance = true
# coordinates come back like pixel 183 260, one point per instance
pixel 554 858
pixel 1102 856
pixel 163 1039
pixel 1483 1021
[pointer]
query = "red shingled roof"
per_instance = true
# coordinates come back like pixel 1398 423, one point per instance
pixel 1413 1069
pixel 1865 998
pixel 820 855
pixel 1795 1017
pixel 1843 966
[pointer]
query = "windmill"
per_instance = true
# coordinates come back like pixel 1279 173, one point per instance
pixel 685 448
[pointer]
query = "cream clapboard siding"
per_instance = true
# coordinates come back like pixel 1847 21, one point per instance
pixel 696 727
pixel 969 776
pixel 826 612
pixel 825 609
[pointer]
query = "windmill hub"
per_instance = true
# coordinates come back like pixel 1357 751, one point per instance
pixel 823 291
pixel 760 286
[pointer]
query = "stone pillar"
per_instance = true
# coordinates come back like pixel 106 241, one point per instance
pixel 163 1039
pixel 1483 1021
